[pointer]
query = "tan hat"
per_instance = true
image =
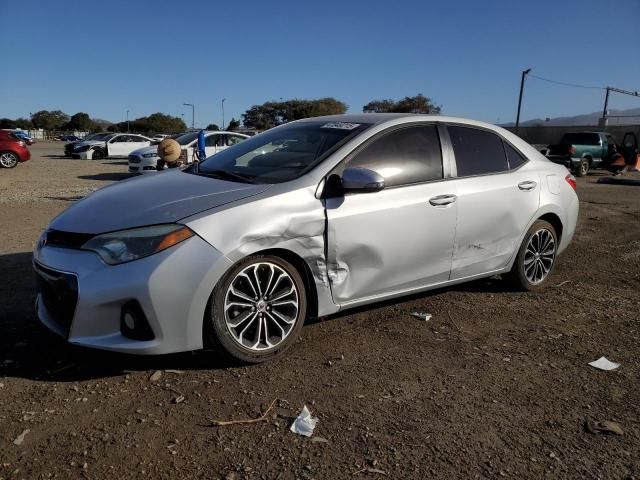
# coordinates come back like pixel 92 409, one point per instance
pixel 169 150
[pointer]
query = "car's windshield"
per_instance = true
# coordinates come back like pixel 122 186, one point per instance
pixel 98 136
pixel 581 139
pixel 281 154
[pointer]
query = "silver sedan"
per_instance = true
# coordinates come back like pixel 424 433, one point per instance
pixel 303 220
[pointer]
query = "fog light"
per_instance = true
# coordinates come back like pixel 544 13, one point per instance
pixel 133 322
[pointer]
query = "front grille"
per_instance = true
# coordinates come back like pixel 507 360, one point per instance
pixel 59 295
pixel 134 159
pixel 57 238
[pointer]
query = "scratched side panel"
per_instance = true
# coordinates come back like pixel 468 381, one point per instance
pixel 493 214
pixel 291 220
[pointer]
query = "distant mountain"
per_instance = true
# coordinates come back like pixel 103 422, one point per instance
pixel 631 116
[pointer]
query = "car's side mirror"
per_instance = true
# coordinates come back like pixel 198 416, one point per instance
pixel 361 180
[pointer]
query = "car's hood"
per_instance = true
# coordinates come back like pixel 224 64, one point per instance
pixel 149 200
pixel 143 150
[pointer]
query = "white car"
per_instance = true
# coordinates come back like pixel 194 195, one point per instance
pixel 159 137
pixel 116 145
pixel 144 160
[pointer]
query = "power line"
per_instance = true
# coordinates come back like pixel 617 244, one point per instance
pixel 566 84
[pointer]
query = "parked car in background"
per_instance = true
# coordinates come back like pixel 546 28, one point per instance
pixel 24 136
pixel 145 160
pixel 68 138
pixel 582 151
pixel 159 137
pixel 68 148
pixel 115 145
pixel 13 149
pixel 306 219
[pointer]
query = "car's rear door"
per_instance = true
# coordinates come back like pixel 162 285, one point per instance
pixel 400 238
pixel 135 142
pixel 496 200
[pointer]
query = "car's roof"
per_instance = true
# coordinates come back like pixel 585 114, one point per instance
pixel 379 118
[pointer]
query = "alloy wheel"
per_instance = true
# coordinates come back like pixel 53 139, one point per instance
pixel 539 256
pixel 261 306
pixel 8 160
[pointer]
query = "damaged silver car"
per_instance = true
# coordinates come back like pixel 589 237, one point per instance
pixel 303 220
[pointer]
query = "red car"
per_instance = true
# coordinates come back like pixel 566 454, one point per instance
pixel 12 150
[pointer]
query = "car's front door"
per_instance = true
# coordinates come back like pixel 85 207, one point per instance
pixel 117 146
pixel 498 194
pixel 400 238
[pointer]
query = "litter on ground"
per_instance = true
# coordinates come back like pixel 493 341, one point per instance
pixel 422 316
pixel 603 364
pixel 305 423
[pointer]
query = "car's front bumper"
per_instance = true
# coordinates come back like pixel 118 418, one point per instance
pixel 172 289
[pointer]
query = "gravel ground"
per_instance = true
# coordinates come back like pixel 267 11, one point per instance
pixel 495 385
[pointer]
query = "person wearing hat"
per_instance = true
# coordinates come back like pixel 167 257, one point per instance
pixel 169 152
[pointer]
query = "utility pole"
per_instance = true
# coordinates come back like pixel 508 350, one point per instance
pixel 606 99
pixel 193 113
pixel 222 127
pixel 524 74
pixel 127 121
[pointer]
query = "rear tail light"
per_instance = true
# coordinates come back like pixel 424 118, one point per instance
pixel 571 180
pixel 572 149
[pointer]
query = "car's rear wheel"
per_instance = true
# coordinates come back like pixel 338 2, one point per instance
pixel 257 310
pixel 583 168
pixel 98 154
pixel 536 257
pixel 8 159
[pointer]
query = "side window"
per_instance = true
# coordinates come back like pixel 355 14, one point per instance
pixel 119 139
pixel 213 141
pixel 514 157
pixel 404 156
pixel 477 152
pixel 234 139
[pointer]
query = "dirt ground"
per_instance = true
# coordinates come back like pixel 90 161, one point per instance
pixel 495 385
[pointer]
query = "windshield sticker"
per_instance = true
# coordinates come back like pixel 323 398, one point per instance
pixel 341 125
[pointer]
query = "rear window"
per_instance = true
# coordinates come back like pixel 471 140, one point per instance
pixel 477 152
pixel 581 139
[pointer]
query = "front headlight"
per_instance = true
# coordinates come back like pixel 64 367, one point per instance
pixel 150 155
pixel 127 245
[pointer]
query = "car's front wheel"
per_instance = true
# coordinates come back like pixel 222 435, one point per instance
pixel 98 154
pixel 8 159
pixel 536 257
pixel 257 310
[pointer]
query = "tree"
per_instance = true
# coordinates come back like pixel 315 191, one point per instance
pixel 7 123
pixel 417 104
pixel 80 121
pixel 154 123
pixel 49 120
pixel 271 114
pixel 233 125
pixel 213 127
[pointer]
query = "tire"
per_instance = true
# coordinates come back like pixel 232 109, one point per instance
pixel 530 271
pixel 257 329
pixel 583 168
pixel 98 154
pixel 8 159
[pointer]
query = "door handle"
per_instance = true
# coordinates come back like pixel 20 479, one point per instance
pixel 527 186
pixel 442 200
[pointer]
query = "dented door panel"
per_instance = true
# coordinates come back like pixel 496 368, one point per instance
pixel 493 212
pixel 390 241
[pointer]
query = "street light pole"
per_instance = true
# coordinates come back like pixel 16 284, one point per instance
pixel 127 121
pixel 524 74
pixel 193 113
pixel 223 113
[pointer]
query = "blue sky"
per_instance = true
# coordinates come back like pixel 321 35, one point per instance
pixel 467 55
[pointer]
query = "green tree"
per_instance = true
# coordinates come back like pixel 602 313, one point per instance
pixel 417 104
pixel 154 123
pixel 80 121
pixel 271 114
pixel 7 123
pixel 233 125
pixel 49 120
pixel 213 127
